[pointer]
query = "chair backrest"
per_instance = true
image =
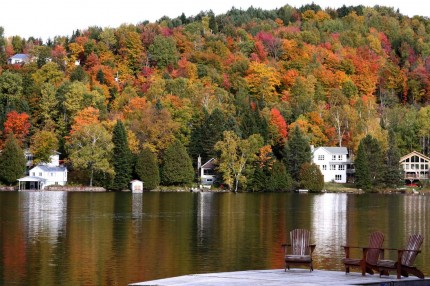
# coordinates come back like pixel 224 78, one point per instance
pixel 299 239
pixel 414 243
pixel 375 243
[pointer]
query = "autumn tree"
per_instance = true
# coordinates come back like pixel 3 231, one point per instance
pixel 17 124
pixel 12 161
pixel 147 169
pixel 48 105
pixel 163 51
pixel 11 91
pixel 121 158
pixel 176 168
pixel 235 155
pixel 90 148
pixel 43 145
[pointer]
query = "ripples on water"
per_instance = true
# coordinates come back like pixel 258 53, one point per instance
pixel 120 238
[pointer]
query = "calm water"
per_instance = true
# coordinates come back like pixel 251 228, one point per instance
pixel 57 238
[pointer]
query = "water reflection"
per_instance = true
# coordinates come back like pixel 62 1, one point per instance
pixel 119 238
pixel 45 215
pixel 329 224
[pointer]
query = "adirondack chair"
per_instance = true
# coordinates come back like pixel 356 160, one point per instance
pixel 299 251
pixel 370 255
pixel 405 259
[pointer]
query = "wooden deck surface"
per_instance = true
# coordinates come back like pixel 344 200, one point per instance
pixel 277 277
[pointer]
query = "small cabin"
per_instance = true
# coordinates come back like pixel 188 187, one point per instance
pixel 18 59
pixel 136 186
pixel 207 172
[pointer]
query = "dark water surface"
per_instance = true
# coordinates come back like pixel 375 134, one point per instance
pixel 58 238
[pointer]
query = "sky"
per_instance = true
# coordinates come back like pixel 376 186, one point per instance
pixel 49 18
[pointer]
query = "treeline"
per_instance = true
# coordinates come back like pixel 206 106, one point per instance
pixel 237 86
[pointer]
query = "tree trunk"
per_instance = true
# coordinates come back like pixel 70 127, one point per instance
pixel 91 177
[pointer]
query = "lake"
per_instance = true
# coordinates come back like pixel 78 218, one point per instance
pixel 59 238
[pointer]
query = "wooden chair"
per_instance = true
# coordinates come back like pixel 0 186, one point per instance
pixel 299 251
pixel 370 255
pixel 405 259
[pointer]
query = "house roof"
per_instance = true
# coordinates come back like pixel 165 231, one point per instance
pixel 209 164
pixel 334 150
pixel 19 56
pixel 414 153
pixel 46 168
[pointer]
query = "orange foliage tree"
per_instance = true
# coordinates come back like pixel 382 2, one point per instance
pixel 17 124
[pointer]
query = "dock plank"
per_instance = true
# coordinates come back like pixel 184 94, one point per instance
pixel 278 277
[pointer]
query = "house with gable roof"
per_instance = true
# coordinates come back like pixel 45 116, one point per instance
pixel 415 166
pixel 206 171
pixel 43 175
pixel 18 59
pixel 334 163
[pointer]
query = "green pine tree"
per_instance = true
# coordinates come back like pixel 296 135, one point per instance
pixel 121 158
pixel 392 175
pixel 147 169
pixel 311 177
pixel 12 161
pixel 297 151
pixel 368 164
pixel 279 179
pixel 177 168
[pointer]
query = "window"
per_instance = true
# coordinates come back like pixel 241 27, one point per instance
pixel 341 167
pixel 338 177
pixel 40 174
pixel 320 157
pixel 324 167
pixel 33 174
pixel 332 167
pixel 52 174
pixel 339 157
pixel 333 157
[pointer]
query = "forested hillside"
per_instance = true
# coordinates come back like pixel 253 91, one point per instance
pixel 247 86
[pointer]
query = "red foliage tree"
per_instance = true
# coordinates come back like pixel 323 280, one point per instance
pixel 17 124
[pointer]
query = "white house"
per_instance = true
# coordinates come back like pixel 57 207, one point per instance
pixel 207 172
pixel 44 175
pixel 18 59
pixel 333 162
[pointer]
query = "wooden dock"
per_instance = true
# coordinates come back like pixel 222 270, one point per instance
pixel 278 277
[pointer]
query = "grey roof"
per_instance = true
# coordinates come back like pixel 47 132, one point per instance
pixel 335 150
pixel 20 56
pixel 46 168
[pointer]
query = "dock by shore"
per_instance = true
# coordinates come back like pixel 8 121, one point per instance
pixel 278 277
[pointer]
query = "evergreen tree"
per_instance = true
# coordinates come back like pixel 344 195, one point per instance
pixel 206 133
pixel 368 163
pixel 147 169
pixel 177 168
pixel 311 177
pixel 279 179
pixel 392 174
pixel 12 161
pixel 121 158
pixel 297 151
